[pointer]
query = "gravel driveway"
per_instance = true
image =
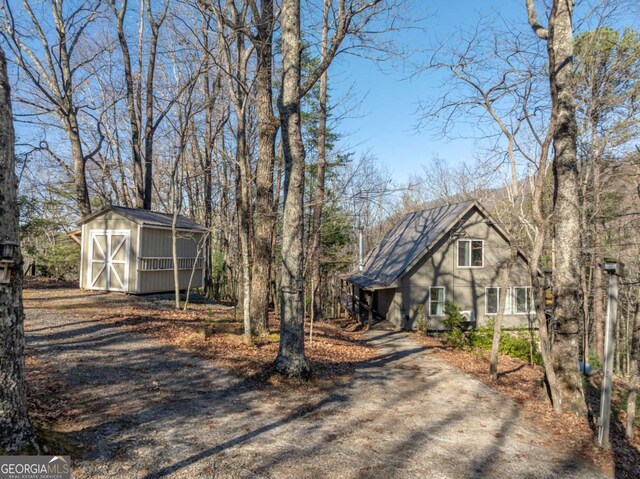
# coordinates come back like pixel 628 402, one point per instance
pixel 147 410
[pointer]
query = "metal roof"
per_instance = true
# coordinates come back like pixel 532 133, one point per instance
pixel 147 218
pixel 405 242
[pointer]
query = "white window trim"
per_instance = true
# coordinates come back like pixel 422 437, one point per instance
pixel 444 301
pixel 458 254
pixel 507 306
pixel 486 299
pixel 531 308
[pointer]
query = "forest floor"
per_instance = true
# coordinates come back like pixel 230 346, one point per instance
pixel 132 389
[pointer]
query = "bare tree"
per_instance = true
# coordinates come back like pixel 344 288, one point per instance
pixel 264 218
pixel 349 19
pixel 489 81
pixel 316 307
pixel 16 432
pixel 235 56
pixel 291 360
pixel 52 65
pixel 142 133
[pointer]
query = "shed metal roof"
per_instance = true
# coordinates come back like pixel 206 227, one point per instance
pixel 147 218
pixel 406 242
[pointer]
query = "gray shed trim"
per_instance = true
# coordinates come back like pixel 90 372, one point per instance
pixel 147 218
pixel 409 240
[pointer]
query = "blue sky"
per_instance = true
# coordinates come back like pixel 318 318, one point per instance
pixel 384 125
pixel 386 120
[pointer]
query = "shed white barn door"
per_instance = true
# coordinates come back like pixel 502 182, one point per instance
pixel 109 260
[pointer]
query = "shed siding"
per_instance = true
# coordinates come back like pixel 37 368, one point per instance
pixel 464 286
pixel 109 221
pixel 144 242
pixel 162 281
pixel 157 243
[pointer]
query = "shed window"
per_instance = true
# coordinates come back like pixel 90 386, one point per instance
pixel 492 301
pixel 436 301
pixel 470 253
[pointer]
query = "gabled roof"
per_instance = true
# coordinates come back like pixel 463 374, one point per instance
pixel 147 218
pixel 403 244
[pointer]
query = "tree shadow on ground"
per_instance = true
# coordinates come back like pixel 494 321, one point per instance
pixel 506 373
pixel 128 393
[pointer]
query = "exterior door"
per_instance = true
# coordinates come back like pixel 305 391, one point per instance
pixel 108 267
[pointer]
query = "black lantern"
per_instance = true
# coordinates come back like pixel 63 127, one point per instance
pixel 7 250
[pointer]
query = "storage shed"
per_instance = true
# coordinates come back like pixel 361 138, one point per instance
pixel 130 250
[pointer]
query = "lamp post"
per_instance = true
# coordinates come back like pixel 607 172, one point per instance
pixel 614 269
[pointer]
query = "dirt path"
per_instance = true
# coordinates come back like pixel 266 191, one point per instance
pixel 144 409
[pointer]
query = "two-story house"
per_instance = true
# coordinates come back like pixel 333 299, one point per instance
pixel 449 253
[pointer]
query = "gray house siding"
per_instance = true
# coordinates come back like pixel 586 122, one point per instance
pixel 384 298
pixel 464 286
pixel 421 252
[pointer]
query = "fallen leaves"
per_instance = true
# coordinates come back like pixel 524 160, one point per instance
pixel 335 351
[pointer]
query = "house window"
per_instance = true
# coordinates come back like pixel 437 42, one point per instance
pixel 522 300
pixel 492 301
pixel 470 253
pixel 436 301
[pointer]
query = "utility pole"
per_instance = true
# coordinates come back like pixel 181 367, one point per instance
pixel 360 229
pixel 614 269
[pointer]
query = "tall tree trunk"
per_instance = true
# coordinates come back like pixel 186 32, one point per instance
pixel 79 165
pixel 70 115
pixel 16 434
pixel 208 192
pixel 316 307
pixel 264 216
pixel 243 193
pixel 132 110
pixel 598 288
pixel 633 369
pixel 291 360
pixel 150 127
pixel 150 123
pixel 566 230
pixel 505 275
pixel 566 210
pixel 539 288
pixel 207 172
